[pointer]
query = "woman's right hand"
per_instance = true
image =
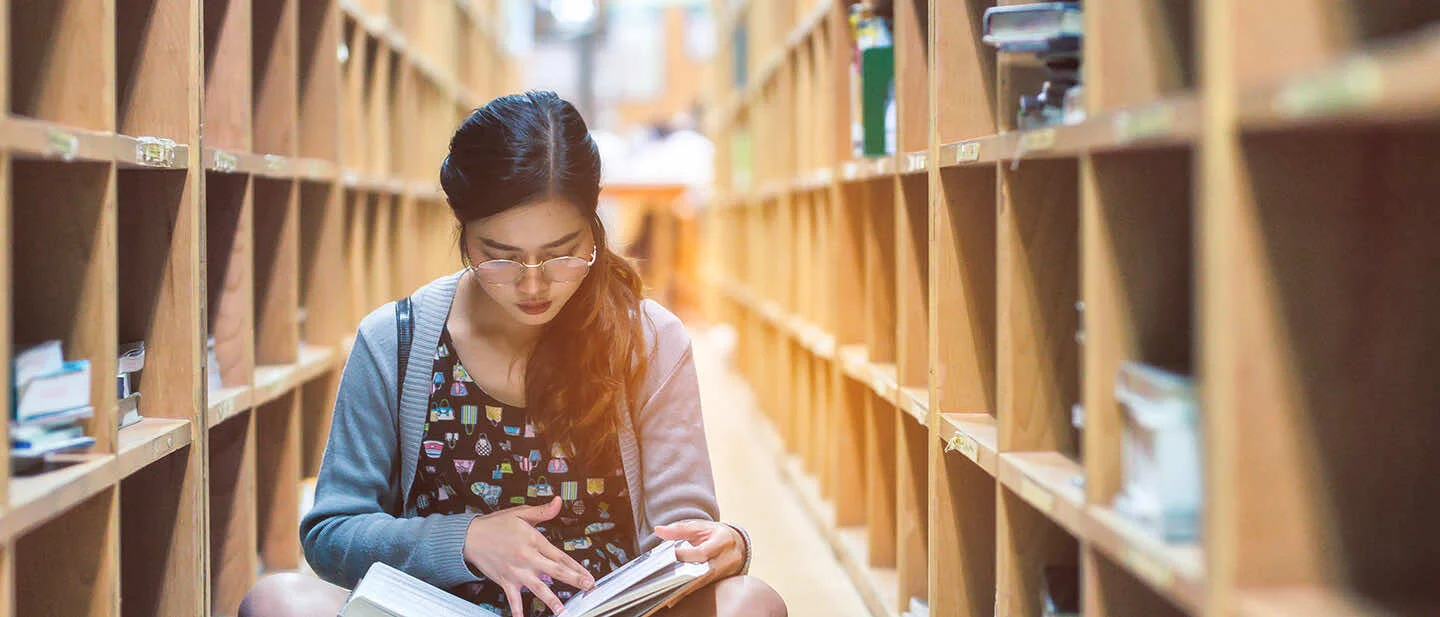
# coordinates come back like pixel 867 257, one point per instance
pixel 507 549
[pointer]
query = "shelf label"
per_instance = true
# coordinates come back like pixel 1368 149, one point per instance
pixel 1037 139
pixel 1042 499
pixel 964 445
pixel 62 144
pixel 917 161
pixel 1149 568
pixel 968 152
pixel 1355 84
pixel 225 408
pixel 274 163
pixel 155 152
pixel 225 162
pixel 1144 123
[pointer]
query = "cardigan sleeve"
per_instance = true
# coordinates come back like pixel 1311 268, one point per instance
pixel 355 521
pixel 675 459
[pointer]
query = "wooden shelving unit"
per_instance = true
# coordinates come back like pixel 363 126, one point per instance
pixel 909 322
pixel 181 169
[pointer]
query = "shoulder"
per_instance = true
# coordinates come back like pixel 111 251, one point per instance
pixel 377 330
pixel 666 338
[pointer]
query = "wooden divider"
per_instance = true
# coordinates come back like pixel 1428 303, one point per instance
pixel 1258 228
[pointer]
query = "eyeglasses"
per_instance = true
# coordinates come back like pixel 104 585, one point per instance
pixel 566 269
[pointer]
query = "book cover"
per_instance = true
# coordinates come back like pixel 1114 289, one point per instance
pixel 41 359
pixel 67 388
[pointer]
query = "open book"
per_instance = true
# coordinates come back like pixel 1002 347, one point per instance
pixel 648 583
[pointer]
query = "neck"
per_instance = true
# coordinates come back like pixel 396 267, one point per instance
pixel 485 318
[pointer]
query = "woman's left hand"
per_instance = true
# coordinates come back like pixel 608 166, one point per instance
pixel 716 543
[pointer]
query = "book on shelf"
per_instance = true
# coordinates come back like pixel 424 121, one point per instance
pixel 37 360
pixel 652 581
pixel 45 383
pixel 128 410
pixel 130 362
pixel 1039 28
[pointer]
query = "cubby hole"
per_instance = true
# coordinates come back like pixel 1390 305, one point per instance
pixel 150 35
pixel 881 478
pixel 913 284
pixel 322 264
pixel 357 254
pixel 965 280
pixel 66 566
pixel 879 207
pixel 913 510
pixel 276 75
pixel 234 562
pixel 912 78
pixel 57 63
pixel 378 238
pixel 1138 52
pixel 317 401
pixel 962 536
pixel 965 73
pixel 1138 282
pixel 1039 285
pixel 156 306
pixel 1336 232
pixel 227 74
pixel 160 535
pixel 352 78
pixel 278 464
pixel 62 240
pixel 400 101
pixel 277 256
pixel 1317 32
pixel 1036 559
pixel 229 276
pixel 1111 591
pixel 1019 76
pixel 319 80
pixel 373 122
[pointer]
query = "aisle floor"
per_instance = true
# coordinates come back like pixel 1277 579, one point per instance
pixel 790 553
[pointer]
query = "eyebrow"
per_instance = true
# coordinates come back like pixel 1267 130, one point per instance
pixel 506 247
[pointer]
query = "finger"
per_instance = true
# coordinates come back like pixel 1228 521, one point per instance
pixel 512 593
pixel 692 554
pixel 539 514
pixel 563 561
pixel 564 573
pixel 543 592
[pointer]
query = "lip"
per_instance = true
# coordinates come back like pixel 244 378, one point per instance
pixel 534 308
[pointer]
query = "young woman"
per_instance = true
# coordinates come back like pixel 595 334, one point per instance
pixel 546 426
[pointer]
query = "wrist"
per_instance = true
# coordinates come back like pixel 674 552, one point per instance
pixel 743 542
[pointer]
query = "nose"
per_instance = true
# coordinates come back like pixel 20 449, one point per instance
pixel 532 283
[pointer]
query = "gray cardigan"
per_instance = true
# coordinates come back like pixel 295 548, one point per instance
pixel 359 516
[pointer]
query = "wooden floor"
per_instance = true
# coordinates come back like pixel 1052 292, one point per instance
pixel 790 553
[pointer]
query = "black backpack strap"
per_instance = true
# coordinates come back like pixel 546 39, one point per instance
pixel 404 334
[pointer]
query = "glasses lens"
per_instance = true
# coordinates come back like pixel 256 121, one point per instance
pixel 566 269
pixel 498 272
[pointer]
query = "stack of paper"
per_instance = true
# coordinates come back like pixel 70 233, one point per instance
pixel 52 398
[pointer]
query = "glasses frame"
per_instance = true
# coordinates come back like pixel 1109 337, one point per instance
pixel 525 268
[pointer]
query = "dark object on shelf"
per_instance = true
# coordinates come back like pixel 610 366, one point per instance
pixel 1062 591
pixel 1044 28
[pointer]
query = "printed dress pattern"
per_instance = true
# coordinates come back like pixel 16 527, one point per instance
pixel 481 456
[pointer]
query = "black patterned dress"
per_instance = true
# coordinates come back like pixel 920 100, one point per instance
pixel 479 455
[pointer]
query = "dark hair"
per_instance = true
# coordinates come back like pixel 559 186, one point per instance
pixel 586 366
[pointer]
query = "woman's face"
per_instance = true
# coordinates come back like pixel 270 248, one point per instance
pixel 531 234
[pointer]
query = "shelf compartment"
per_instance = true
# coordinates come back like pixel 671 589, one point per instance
pixel 1316 33
pixel 322 261
pixel 963 291
pixel 234 560
pixel 1028 542
pixel 1137 291
pixel 68 566
pixel 61 62
pixel 1174 571
pixel 973 436
pixel 912 284
pixel 159 293
pixel 911 26
pixel 1390 82
pixel 275 64
pixel 278 459
pixel 965 73
pixel 1111 589
pixel 881 482
pixel 161 522
pixel 845 481
pixel 1046 481
pixel 1301 357
pixel 228 92
pixel 915 402
pixel 1325 602
pixel 318 89
pixel 229 250
pixel 1138 51
pixel 152 97
pixel 277 276
pixel 1038 275
pixel 912 514
pixel 63 230
pixel 317 405
pixel 962 533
